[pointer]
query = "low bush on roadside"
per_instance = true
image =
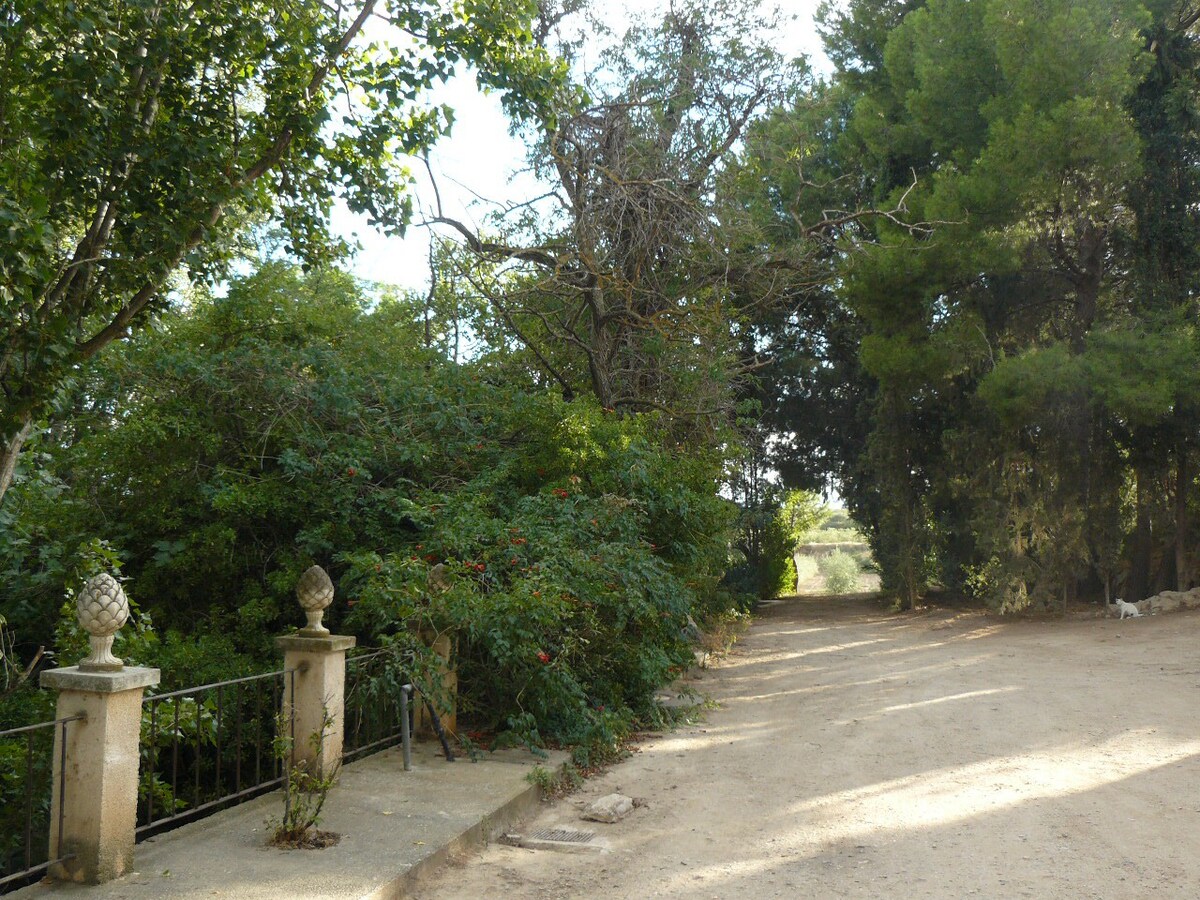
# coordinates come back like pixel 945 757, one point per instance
pixel 841 572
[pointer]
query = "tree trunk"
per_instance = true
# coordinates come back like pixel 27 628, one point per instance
pixel 1087 282
pixel 1183 480
pixel 600 356
pixel 1139 570
pixel 9 453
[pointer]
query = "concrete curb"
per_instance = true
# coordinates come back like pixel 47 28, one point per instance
pixel 475 837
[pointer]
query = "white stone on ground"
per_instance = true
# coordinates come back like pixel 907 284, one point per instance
pixel 609 808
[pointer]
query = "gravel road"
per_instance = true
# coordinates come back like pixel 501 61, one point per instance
pixel 860 753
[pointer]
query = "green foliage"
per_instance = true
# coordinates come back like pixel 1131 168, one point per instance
pixel 1004 386
pixel 762 567
pixel 26 760
pixel 1140 375
pixel 833 536
pixel 770 520
pixel 788 577
pixel 774 572
pixel 840 570
pixel 298 420
pixel 568 597
pixel 1022 386
pixel 558 783
pixel 802 513
pixel 139 138
pixel 18 784
pixel 834 527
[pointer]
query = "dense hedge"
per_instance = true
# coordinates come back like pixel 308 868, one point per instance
pixel 296 421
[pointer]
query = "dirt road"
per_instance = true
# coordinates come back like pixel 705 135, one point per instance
pixel 858 753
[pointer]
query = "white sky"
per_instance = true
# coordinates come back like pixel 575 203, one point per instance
pixel 480 158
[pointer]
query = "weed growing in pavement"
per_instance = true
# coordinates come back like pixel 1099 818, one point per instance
pixel 305 792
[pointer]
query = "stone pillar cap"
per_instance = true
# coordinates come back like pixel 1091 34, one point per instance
pixel 73 678
pixel 329 643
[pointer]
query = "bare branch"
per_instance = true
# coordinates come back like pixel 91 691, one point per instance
pixel 494 250
pixel 506 314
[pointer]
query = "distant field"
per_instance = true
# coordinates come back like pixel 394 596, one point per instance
pixel 839 530
pixel 834 536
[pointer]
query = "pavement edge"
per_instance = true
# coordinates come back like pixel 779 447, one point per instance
pixel 479 835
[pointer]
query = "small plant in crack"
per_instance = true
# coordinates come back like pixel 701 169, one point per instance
pixel 305 789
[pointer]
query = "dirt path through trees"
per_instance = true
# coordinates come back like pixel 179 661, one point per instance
pixel 858 753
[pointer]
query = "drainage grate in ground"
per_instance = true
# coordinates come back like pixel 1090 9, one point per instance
pixel 567 835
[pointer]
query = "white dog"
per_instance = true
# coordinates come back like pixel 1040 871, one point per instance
pixel 1126 609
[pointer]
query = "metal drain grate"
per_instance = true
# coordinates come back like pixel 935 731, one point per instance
pixel 565 835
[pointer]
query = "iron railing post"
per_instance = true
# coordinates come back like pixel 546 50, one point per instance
pixel 406 725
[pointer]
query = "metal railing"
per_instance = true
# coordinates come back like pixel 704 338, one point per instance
pixel 207 747
pixel 378 712
pixel 37 786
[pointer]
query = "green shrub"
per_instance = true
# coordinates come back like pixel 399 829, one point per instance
pixel 841 571
pixel 296 421
pixel 787 580
pixel 568 602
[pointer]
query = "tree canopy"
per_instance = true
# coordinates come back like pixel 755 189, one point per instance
pixel 139 139
pixel 1019 374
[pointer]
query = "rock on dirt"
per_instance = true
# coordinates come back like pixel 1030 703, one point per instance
pixel 609 808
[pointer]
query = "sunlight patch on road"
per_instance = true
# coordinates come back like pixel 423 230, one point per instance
pixel 776 695
pixel 965 792
pixel 969 694
pixel 977 633
pixel 771 654
pixel 678 744
pixel 849 645
pixel 792 632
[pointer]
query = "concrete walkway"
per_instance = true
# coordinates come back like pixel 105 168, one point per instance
pixel 395 827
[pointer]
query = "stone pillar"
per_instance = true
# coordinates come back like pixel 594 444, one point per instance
pixel 98 785
pixel 317 686
pixel 445 691
pixel 318 666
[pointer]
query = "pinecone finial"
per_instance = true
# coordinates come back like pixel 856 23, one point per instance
pixel 102 608
pixel 314 590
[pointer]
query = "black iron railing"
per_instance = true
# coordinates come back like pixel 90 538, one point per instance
pixel 378 713
pixel 28 761
pixel 208 747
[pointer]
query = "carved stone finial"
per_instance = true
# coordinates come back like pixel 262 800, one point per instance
pixel 314 590
pixel 102 608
